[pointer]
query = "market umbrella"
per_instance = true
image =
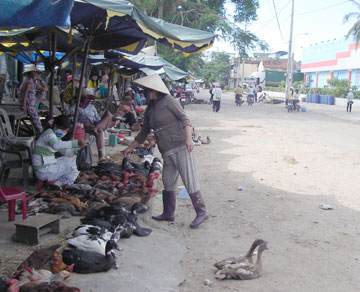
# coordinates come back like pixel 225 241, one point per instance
pixel 29 13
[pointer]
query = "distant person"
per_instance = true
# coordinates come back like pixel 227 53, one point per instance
pixel 217 92
pixel 238 94
pixel 32 89
pixel 211 93
pixel 350 100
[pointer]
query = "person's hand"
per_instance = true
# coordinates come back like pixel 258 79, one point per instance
pixel 189 145
pixel 24 109
pixel 82 142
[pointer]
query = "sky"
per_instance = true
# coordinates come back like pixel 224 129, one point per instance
pixel 315 21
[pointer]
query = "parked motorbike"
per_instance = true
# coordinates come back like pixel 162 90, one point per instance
pixel 262 97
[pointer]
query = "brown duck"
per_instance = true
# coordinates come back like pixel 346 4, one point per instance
pixel 243 271
pixel 247 258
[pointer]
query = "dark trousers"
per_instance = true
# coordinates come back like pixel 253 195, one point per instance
pixel 349 106
pixel 130 119
pixel 216 105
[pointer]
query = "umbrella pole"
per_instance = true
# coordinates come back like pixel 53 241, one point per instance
pixel 73 74
pixel 52 74
pixel 81 81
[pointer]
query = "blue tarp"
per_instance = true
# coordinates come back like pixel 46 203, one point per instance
pixel 20 14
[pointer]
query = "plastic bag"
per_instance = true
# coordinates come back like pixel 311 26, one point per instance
pixel 84 158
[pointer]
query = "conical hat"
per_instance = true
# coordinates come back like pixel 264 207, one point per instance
pixel 152 82
pixel 32 68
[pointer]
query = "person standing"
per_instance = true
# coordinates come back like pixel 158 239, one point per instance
pixel 172 130
pixel 217 92
pixel 350 100
pixel 211 93
pixel 31 87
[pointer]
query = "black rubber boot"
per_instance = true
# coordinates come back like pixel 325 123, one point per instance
pixel 199 206
pixel 169 202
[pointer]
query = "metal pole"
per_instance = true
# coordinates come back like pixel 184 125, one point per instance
pixel 81 82
pixel 288 72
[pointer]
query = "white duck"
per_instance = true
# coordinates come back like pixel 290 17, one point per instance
pixel 93 242
pixel 92 230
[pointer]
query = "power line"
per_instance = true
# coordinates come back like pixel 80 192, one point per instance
pixel 277 19
pixel 321 9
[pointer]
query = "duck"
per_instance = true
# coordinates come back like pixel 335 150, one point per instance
pixel 203 141
pixel 86 262
pixel 95 243
pixel 243 271
pixel 92 230
pixel 247 258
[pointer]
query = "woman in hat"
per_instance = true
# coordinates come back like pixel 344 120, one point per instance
pixel 32 87
pixel 62 170
pixel 172 130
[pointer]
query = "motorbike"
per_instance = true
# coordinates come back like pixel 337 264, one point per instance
pixel 238 99
pixel 250 99
pixel 262 97
pixel 182 99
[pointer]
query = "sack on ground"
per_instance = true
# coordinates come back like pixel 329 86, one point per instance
pixel 84 158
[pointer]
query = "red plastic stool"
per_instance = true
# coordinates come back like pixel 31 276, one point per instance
pixel 10 195
pixel 40 184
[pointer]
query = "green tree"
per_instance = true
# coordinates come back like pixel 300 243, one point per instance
pixel 355 29
pixel 217 70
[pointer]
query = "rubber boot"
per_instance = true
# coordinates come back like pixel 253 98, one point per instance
pixel 169 202
pixel 199 206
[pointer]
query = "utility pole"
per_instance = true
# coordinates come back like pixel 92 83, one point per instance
pixel 243 66
pixel 288 72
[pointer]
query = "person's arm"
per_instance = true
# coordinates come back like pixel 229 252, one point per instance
pixel 189 141
pixel 130 148
pixel 41 85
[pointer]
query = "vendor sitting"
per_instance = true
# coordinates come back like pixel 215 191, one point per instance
pixel 127 111
pixel 62 170
pixel 93 124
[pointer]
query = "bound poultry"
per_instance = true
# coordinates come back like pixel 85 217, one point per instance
pixel 86 262
pixel 55 286
pixel 94 243
pixel 39 259
pixel 57 264
pixel 243 271
pixel 247 258
pixel 92 230
pixel 32 275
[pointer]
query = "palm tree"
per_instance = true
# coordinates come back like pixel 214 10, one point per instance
pixel 355 29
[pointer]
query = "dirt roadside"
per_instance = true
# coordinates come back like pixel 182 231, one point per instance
pixel 288 164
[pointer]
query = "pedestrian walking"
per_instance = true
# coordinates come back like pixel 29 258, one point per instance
pixel 217 92
pixel 350 101
pixel 172 130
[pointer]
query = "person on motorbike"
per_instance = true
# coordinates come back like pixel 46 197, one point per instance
pixel 238 95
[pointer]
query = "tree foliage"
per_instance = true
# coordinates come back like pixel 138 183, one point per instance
pixel 208 15
pixel 217 70
pixel 355 29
